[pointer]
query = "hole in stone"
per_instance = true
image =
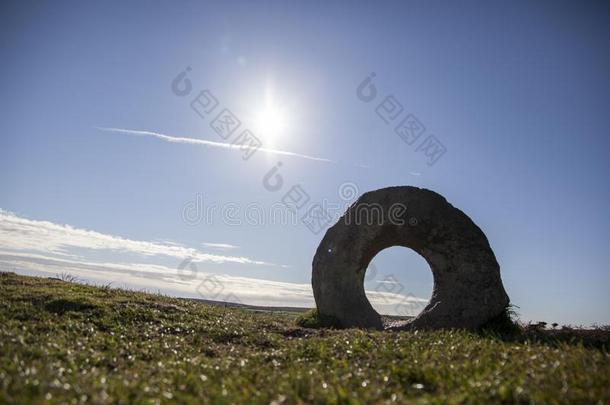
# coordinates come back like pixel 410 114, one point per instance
pixel 398 283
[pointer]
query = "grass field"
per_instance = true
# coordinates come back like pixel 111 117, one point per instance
pixel 65 342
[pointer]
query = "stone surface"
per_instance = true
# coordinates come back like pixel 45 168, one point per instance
pixel 467 289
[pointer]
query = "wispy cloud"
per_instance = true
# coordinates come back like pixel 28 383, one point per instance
pixel 222 246
pixel 22 234
pixel 213 144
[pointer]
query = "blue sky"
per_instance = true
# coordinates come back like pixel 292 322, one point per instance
pixel 518 95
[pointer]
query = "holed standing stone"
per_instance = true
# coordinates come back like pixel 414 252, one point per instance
pixel 467 289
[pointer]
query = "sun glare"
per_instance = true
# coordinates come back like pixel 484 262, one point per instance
pixel 271 121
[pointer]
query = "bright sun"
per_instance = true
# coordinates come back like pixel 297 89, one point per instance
pixel 271 121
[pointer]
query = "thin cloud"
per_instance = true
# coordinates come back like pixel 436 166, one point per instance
pixel 221 246
pixel 22 234
pixel 213 144
pixel 391 282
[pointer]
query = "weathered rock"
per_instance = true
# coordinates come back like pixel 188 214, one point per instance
pixel 467 289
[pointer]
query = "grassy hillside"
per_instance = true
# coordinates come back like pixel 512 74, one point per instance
pixel 66 342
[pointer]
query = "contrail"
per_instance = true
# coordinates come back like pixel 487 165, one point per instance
pixel 195 141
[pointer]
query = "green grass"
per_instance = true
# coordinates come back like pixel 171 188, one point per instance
pixel 63 342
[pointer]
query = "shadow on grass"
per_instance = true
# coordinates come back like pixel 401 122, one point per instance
pixel 62 305
pixel 314 320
